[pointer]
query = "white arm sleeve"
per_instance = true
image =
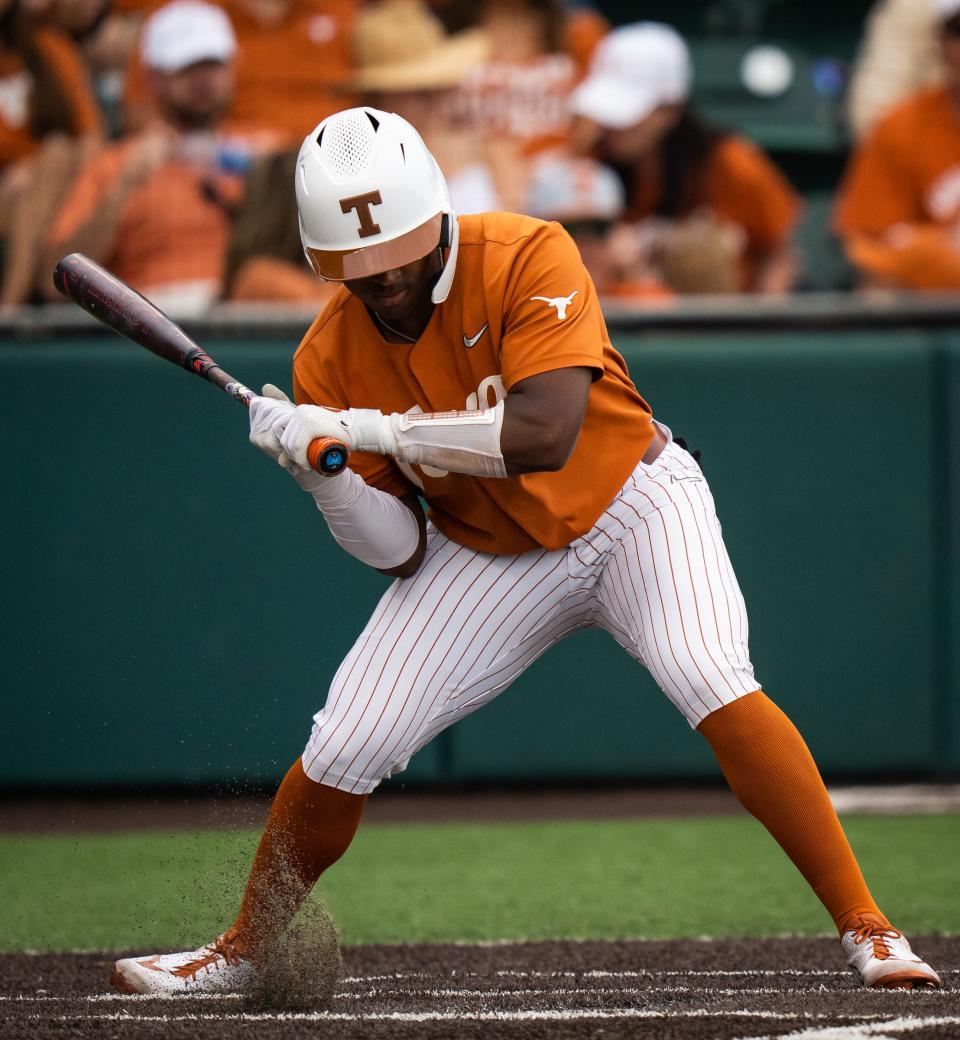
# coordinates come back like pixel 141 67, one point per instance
pixel 375 527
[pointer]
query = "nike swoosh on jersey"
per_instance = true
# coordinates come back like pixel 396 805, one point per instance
pixel 472 341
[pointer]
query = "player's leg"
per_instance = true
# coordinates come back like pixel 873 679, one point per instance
pixel 439 645
pixel 309 828
pixel 772 773
pixel 673 601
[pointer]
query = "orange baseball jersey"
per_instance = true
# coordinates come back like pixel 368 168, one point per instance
pixel 900 199
pixel 521 304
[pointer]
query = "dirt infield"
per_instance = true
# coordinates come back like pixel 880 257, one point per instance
pixel 105 813
pixel 678 990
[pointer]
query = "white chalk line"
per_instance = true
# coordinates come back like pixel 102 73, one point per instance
pixel 462 1016
pixel 373 993
pixel 594 973
pixel 863 1031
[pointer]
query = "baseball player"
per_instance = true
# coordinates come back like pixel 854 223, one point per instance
pixel 465 362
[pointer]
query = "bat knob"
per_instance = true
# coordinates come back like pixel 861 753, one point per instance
pixel 327 455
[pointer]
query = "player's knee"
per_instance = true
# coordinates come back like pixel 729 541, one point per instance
pixel 350 762
pixel 739 707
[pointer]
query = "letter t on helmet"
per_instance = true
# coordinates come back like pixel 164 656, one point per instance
pixel 372 198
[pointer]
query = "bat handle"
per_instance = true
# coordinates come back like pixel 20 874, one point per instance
pixel 327 455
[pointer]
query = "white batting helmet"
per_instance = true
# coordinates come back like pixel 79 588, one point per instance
pixel 372 198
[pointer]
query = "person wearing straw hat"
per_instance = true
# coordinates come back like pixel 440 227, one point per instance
pixel 406 63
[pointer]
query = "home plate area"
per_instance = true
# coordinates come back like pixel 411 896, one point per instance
pixel 730 989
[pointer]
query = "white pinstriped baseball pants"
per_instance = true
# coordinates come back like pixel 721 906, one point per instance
pixel 653 572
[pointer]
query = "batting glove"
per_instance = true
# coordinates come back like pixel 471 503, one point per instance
pixel 269 415
pixel 360 429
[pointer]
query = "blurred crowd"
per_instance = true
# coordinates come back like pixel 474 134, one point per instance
pixel 160 138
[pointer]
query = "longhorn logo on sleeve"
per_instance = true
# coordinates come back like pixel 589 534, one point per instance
pixel 560 302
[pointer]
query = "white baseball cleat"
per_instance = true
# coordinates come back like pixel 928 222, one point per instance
pixel 218 967
pixel 883 957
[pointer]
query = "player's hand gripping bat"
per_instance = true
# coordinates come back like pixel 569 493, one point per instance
pixel 124 310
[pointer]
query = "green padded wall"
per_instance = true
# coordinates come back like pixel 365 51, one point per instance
pixel 179 607
pixel 945 462
pixel 176 609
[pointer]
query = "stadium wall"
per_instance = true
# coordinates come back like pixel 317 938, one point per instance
pixel 175 608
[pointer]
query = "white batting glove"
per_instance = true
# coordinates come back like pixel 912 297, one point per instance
pixel 360 429
pixel 269 414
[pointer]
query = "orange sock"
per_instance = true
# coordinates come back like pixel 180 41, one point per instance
pixel 772 773
pixel 309 828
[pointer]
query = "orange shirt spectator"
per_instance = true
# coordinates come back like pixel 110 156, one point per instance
pixel 898 211
pixel 170 233
pixel 737 186
pixel 44 87
pixel 539 53
pixel 154 208
pixel 634 114
pixel 292 57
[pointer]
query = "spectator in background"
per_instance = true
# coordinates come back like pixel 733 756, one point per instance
pixel 518 100
pixel 898 55
pixel 265 261
pixel 588 199
pixel 105 32
pixel 49 121
pixel 44 84
pixel 405 63
pixel 898 210
pixel 292 58
pixel 154 207
pixel 634 114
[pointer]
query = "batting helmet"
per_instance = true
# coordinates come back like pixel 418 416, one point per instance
pixel 372 198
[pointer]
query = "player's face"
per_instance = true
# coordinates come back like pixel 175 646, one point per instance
pixel 401 293
pixel 198 96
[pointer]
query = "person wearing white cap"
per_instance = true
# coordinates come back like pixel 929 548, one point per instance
pixel 898 209
pixel 633 112
pixel 152 208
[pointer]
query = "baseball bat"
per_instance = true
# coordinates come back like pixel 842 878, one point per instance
pixel 112 301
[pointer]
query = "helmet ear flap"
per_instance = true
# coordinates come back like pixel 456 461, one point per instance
pixel 449 239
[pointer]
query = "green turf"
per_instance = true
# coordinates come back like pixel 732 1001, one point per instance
pixel 605 879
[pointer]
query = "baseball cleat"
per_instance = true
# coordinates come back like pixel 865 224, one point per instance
pixel 218 967
pixel 883 957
